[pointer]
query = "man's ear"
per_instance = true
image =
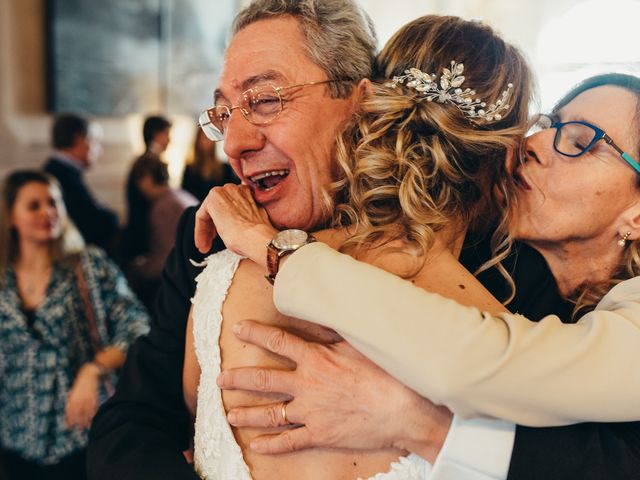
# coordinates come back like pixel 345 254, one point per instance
pixel 77 140
pixel 630 222
pixel 362 89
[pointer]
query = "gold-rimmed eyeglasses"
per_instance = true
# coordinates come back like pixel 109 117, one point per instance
pixel 259 105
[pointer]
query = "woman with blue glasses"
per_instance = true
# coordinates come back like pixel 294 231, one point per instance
pixel 578 188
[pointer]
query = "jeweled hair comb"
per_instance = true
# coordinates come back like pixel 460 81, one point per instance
pixel 449 90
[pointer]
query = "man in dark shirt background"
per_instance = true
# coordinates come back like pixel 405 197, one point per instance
pixel 156 133
pixel 77 148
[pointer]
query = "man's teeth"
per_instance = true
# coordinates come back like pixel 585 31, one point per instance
pixel 260 176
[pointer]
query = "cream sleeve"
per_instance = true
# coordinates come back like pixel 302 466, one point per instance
pixel 532 373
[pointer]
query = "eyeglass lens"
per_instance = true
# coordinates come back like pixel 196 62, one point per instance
pixel 209 129
pixel 258 105
pixel 573 139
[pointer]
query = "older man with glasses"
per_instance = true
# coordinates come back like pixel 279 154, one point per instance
pixel 292 99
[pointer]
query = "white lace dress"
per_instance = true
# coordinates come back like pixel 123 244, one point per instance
pixel 217 456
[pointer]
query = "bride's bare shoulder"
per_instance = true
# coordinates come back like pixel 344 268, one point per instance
pixel 334 237
pixel 398 256
pixel 438 270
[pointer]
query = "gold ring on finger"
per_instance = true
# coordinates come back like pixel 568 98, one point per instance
pixel 283 412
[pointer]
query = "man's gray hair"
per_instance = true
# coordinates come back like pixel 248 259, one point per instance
pixel 340 37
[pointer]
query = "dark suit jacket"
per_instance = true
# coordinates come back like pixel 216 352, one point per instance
pixel 140 432
pixel 97 224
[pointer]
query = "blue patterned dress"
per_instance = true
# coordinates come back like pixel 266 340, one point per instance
pixel 39 362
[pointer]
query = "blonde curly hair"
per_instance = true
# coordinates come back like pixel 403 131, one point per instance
pixel 411 167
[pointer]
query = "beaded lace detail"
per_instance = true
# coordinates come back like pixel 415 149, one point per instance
pixel 216 453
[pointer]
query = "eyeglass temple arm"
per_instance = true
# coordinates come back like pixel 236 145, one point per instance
pixel 631 161
pixel 626 157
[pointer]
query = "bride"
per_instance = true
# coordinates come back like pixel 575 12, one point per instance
pixel 416 165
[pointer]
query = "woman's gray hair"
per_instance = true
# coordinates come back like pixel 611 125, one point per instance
pixel 340 36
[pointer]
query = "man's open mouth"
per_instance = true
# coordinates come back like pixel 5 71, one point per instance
pixel 268 180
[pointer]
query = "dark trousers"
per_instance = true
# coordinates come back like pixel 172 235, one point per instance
pixel 71 467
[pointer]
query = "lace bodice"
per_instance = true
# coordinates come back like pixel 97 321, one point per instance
pixel 216 453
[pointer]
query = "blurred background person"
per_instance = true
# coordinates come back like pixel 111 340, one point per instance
pixel 204 169
pixel 67 318
pixel 154 209
pixel 156 132
pixel 77 148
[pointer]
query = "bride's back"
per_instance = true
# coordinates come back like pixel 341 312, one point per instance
pixel 250 297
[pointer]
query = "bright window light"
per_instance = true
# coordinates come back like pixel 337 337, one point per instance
pixel 590 38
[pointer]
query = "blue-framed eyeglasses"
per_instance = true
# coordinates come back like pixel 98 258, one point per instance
pixel 576 138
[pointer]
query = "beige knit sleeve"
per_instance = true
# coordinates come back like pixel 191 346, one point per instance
pixel 532 373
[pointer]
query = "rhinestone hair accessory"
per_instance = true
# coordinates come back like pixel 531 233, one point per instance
pixel 449 90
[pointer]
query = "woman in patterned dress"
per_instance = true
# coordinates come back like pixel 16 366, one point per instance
pixel 67 317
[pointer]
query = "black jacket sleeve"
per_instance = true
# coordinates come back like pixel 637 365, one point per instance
pixel 587 451
pixel 141 431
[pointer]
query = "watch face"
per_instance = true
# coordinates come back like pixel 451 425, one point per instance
pixel 290 239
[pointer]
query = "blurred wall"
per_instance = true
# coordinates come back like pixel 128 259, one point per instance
pixel 21 82
pixel 24 123
pixel 565 41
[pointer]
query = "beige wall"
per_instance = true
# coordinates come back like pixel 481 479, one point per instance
pixel 522 24
pixel 25 125
pixel 519 22
pixel 21 81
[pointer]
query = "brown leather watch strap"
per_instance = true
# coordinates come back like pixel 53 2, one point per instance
pixel 274 254
pixel 273 263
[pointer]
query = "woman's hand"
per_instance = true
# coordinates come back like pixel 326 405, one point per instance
pixel 82 399
pixel 340 400
pixel 231 212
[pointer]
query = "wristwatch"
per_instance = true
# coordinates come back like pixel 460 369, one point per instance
pixel 283 244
